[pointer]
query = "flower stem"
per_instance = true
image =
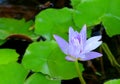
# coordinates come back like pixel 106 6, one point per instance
pixel 110 55
pixel 79 72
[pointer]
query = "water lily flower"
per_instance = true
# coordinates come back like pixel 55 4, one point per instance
pixel 79 47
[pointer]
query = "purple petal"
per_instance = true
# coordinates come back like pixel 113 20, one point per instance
pixel 91 55
pixel 74 50
pixel 95 38
pixel 72 33
pixel 83 34
pixel 62 43
pixel 92 43
pixel 70 58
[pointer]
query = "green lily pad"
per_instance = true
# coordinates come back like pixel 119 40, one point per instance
pixel 46 57
pixel 111 19
pixel 111 24
pixel 39 78
pixel 7 56
pixel 92 12
pixel 89 12
pixel 12 26
pixel 53 21
pixel 114 81
pixel 12 73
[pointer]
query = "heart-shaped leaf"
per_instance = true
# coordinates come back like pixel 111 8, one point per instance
pixel 46 57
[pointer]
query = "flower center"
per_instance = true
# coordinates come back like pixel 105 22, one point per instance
pixel 76 42
pixel 75 47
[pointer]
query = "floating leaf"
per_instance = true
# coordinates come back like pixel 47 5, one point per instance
pixel 36 55
pixel 12 26
pixel 92 12
pixel 111 24
pixel 12 73
pixel 114 81
pixel 89 12
pixel 111 19
pixel 52 21
pixel 7 56
pixel 47 58
pixel 39 78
